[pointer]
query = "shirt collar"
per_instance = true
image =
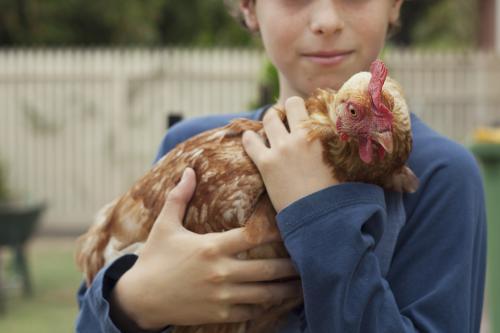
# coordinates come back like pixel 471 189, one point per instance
pixel 259 113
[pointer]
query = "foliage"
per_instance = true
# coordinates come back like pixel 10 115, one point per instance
pixel 438 24
pixel 196 22
pixel 450 24
pixel 53 309
pixel 268 86
pixel 201 23
pixel 118 22
pixel 64 22
pixel 4 193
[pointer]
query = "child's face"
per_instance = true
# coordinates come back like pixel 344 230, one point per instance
pixel 320 43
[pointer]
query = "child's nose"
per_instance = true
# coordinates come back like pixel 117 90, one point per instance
pixel 326 18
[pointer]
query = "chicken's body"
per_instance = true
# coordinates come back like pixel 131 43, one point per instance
pixel 230 192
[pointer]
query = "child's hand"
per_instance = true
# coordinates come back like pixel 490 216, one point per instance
pixel 292 167
pixel 183 278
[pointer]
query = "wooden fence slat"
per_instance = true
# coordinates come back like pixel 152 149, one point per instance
pixel 78 126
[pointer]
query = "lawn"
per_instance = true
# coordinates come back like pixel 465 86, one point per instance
pixel 53 308
pixel 55 278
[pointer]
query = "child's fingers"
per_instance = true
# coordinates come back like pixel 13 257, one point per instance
pixel 240 313
pixel 236 240
pixel 177 199
pixel 254 146
pixel 261 270
pixel 296 112
pixel 261 293
pixel 274 127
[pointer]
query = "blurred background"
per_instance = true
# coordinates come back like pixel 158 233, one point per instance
pixel 89 88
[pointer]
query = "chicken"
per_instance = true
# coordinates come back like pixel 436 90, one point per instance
pixel 366 134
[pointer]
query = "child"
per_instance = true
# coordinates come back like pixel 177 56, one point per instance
pixel 369 260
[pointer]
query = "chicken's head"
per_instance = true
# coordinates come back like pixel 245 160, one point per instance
pixel 360 114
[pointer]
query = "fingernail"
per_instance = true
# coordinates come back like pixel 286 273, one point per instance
pixel 244 137
pixel 184 174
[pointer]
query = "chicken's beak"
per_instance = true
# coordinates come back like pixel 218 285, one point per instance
pixel 385 140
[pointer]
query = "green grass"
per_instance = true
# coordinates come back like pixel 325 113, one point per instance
pixel 53 307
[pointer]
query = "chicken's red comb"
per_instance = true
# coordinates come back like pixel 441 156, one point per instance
pixel 379 74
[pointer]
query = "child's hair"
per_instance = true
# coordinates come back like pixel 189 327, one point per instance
pixel 234 9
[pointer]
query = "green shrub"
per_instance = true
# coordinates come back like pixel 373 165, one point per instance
pixel 4 193
pixel 268 86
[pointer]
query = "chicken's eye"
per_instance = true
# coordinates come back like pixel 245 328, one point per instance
pixel 353 111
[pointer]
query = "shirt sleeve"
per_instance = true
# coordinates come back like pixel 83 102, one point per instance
pixel 436 277
pixel 93 302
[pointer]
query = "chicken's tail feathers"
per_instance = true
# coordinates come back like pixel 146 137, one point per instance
pixel 403 181
pixel 89 254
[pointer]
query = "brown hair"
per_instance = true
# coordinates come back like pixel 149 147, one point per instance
pixel 233 6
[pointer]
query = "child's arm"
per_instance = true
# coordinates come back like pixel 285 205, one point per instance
pixel 94 315
pixel 435 282
pixel 436 277
pixel 183 278
pixel 206 285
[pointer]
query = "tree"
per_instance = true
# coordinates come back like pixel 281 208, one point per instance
pixel 118 22
pixel 70 22
pixel 435 23
pixel 202 23
pixel 4 193
pixel 438 24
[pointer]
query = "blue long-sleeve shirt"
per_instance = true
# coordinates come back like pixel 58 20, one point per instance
pixel 369 260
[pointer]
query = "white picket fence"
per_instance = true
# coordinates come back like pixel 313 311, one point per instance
pixel 453 92
pixel 77 127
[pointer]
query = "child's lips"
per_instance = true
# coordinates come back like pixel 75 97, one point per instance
pixel 327 58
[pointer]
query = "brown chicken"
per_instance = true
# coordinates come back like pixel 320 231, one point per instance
pixel 366 133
